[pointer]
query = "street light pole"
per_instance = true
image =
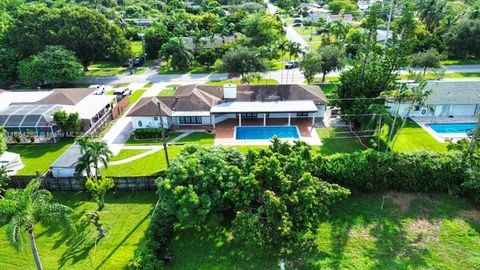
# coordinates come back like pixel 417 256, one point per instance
pixel 163 133
pixel 389 21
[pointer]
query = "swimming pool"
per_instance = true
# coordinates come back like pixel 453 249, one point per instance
pixel 266 132
pixel 453 128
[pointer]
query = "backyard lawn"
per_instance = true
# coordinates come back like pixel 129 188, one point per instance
pixel 337 140
pixel 198 138
pixel 412 138
pixel 125 217
pixel 39 157
pixel 413 231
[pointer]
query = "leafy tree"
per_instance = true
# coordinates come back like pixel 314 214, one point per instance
pixel 310 65
pixel 175 50
pixel 294 49
pixel 206 57
pixel 243 60
pixel 344 6
pixel 262 30
pixel 55 65
pixel 428 59
pixel 431 12
pixel 8 68
pixel 23 209
pixel 93 153
pixel 98 187
pixel 155 37
pixel 461 40
pixel 353 40
pixel 67 122
pixel 332 59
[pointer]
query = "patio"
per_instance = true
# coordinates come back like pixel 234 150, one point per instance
pixel 225 130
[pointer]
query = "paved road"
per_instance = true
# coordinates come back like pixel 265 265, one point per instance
pixel 290 33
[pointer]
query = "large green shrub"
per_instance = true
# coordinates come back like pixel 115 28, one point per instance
pixel 149 133
pixel 372 171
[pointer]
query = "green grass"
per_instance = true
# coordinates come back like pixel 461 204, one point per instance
pixel 412 138
pixel 101 72
pixel 454 75
pixel 39 157
pixel 413 231
pixel 330 90
pixel 337 140
pixel 125 217
pixel 169 90
pixel 223 82
pixel 148 85
pixel 121 85
pixel 145 166
pixel 136 95
pixel 126 153
pixel 198 138
pixel 133 141
pixel 460 62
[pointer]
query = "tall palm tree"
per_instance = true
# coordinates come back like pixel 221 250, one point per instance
pixel 93 154
pixel 22 209
pixel 294 49
pixel 415 96
pixel 175 49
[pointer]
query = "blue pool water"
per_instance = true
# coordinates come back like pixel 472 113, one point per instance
pixel 453 127
pixel 265 133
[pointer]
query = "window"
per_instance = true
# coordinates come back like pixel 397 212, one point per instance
pixel 190 119
pixel 140 123
pixel 155 118
pixel 302 114
pixel 249 115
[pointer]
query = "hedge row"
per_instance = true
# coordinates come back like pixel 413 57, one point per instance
pixel 372 171
pixel 149 133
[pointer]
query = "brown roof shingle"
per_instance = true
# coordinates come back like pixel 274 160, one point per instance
pixel 66 96
pixel 203 97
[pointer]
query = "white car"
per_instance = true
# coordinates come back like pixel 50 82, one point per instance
pixel 99 90
pixel 123 92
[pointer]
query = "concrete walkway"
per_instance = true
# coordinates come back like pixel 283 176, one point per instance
pixel 153 149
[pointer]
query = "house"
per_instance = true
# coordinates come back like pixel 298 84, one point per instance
pixel 204 106
pixel 32 111
pixel 448 99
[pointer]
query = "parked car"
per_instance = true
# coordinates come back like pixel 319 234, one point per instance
pixel 297 25
pixel 297 21
pixel 291 65
pixel 138 61
pixel 100 90
pixel 297 16
pixel 127 62
pixel 123 92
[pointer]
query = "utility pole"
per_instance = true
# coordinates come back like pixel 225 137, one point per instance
pixel 389 21
pixel 163 133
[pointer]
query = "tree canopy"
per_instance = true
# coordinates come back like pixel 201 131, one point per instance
pixel 243 60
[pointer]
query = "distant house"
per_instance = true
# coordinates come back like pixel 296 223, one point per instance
pixel 448 99
pixel 328 17
pixel 214 42
pixel 32 111
pixel 205 106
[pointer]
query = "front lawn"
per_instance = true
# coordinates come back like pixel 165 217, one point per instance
pixel 413 231
pixel 39 157
pixel 136 95
pixel 171 135
pixel 125 217
pixel 412 138
pixel 337 140
pixel 169 90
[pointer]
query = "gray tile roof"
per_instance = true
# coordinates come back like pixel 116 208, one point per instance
pixel 449 93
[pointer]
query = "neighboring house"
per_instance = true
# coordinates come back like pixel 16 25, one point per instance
pixel 214 42
pixel 33 111
pixel 448 99
pixel 205 106
pixel 328 17
pixel 382 35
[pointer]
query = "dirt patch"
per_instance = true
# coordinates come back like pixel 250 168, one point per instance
pixel 362 232
pixel 421 231
pixel 402 199
pixel 472 214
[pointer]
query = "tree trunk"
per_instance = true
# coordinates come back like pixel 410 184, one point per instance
pixel 101 202
pixel 424 70
pixel 33 245
pixel 324 74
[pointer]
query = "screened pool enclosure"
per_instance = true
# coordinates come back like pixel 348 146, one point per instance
pixel 29 120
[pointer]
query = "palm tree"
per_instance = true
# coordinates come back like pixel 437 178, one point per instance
pixel 93 154
pixel 415 97
pixel 175 49
pixel 22 209
pixel 294 49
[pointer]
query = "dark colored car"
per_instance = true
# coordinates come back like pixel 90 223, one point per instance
pixel 291 65
pixel 127 62
pixel 138 61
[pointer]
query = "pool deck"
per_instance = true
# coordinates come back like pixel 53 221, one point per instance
pixel 225 131
pixel 423 121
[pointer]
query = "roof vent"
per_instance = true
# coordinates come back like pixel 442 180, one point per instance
pixel 230 91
